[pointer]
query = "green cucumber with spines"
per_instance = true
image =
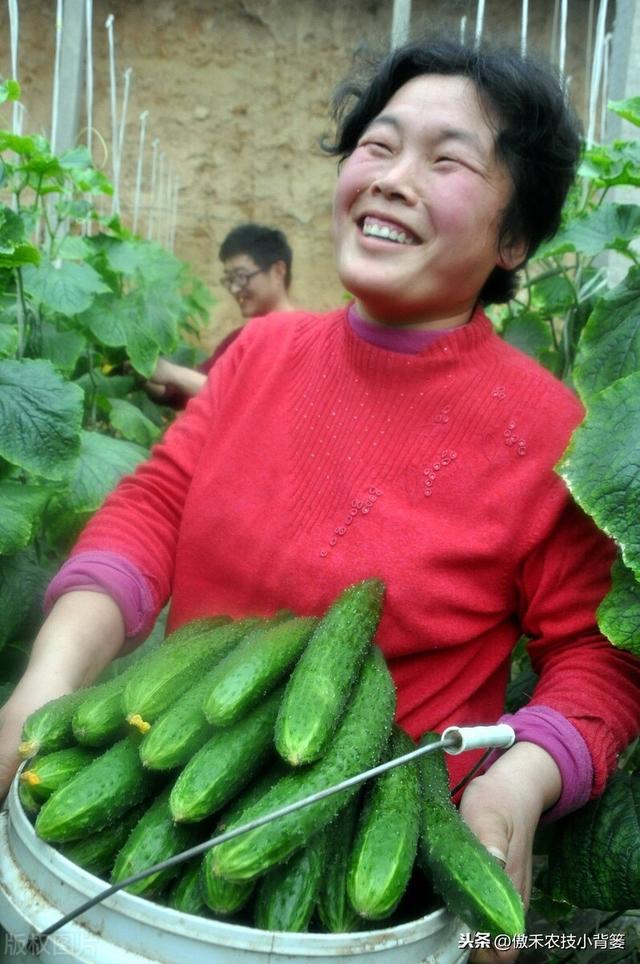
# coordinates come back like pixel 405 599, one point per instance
pixel 253 792
pixel 287 895
pixel 356 746
pixel 470 880
pixel 257 664
pixel 153 839
pixel 29 804
pixel 225 897
pixel 186 893
pixel 319 686
pixel 99 795
pixel 183 728
pixel 98 719
pixel 334 909
pixel 49 727
pixel 386 842
pixel 170 670
pixel 226 763
pixel 96 853
pixel 48 772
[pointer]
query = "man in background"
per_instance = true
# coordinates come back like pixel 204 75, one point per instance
pixel 256 264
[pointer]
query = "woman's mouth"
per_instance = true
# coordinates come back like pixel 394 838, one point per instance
pixel 373 227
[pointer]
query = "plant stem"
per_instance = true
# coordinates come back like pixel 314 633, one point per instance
pixel 21 313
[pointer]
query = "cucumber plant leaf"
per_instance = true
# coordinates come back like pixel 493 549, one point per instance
pixel 609 346
pixel 601 466
pixel 23 580
pixel 131 423
pixel 40 418
pixel 22 508
pixel 67 287
pixel 611 226
pixel 619 612
pixel 628 109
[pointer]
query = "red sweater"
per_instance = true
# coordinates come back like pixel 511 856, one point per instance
pixel 313 459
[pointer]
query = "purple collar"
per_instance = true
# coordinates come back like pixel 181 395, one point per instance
pixel 404 340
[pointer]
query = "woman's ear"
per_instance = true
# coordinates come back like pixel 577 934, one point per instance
pixel 512 254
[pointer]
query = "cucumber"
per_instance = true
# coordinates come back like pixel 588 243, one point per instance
pixel 334 910
pixel 30 805
pixel 179 732
pixel 154 838
pixel 225 764
pixel 286 896
pixel 48 772
pixel 225 897
pixel 96 853
pixel 356 746
pixel 319 687
pixel 98 720
pixel 186 894
pixel 470 880
pixel 99 795
pixel 384 851
pixel 49 727
pixel 254 667
pixel 252 793
pixel 170 670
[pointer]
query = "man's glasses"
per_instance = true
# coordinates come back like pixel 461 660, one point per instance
pixel 238 279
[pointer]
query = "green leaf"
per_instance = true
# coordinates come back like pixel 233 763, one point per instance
pixel 530 333
pixel 144 328
pixel 14 250
pixel 8 340
pixel 62 348
pixel 595 852
pixel 628 109
pixel 77 157
pixel 611 226
pixel 9 90
pixel 24 146
pixel 609 346
pixel 611 165
pixel 111 318
pixel 619 612
pixel 124 257
pixel 111 386
pixel 22 508
pixel 601 465
pixel 74 248
pixel 65 287
pixel 23 581
pixel 132 424
pixel 102 463
pixel 40 418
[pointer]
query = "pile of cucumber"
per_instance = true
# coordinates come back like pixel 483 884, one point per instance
pixel 229 720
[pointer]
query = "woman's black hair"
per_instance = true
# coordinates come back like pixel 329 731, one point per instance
pixel 538 136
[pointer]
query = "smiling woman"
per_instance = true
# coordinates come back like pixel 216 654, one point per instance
pixel 398 438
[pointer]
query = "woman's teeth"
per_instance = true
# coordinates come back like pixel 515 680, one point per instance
pixel 382 231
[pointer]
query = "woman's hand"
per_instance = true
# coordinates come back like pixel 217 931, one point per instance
pixel 81 635
pixel 168 375
pixel 503 808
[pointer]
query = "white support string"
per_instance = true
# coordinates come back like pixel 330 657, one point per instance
pixel 136 197
pixel 524 28
pixel 562 55
pixel 174 214
pixel 154 174
pixel 588 60
pixel 605 86
pixel 14 31
pixel 88 13
pixel 158 199
pixel 56 77
pixel 115 164
pixel 479 22
pixel 596 71
pixel 121 131
pixel 463 29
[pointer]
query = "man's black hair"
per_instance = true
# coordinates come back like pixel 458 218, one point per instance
pixel 264 245
pixel 538 136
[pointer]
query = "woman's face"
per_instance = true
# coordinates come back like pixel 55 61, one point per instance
pixel 418 206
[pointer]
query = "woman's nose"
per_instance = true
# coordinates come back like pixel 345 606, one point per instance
pixel 398 181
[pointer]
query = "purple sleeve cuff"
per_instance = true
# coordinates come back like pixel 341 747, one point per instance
pixel 112 574
pixel 554 733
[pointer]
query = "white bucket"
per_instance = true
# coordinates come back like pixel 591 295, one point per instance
pixel 38 886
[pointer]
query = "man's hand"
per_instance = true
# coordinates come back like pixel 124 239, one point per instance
pixel 503 808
